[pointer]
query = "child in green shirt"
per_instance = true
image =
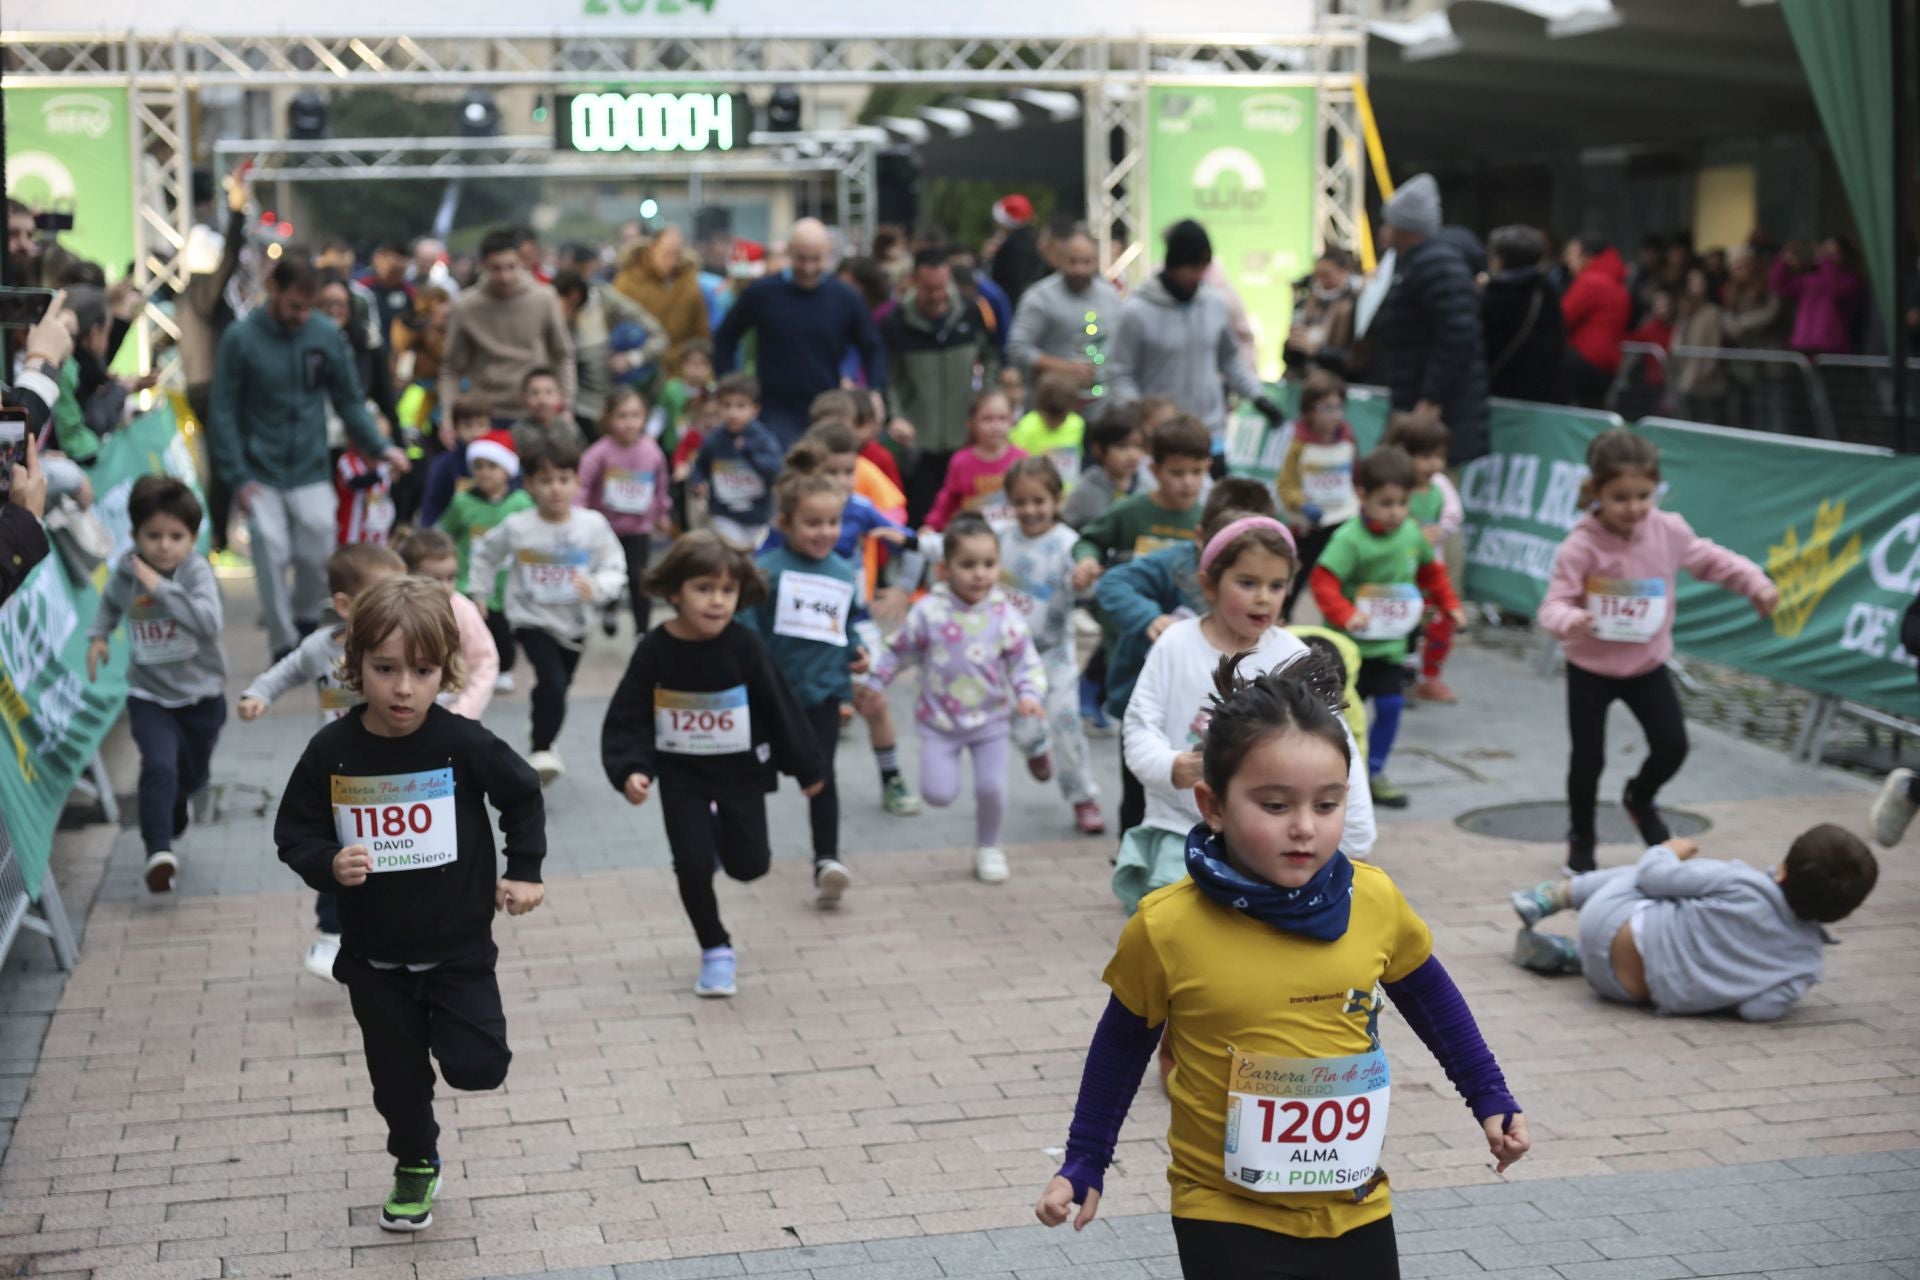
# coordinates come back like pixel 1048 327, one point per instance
pixel 473 513
pixel 1374 582
pixel 1053 430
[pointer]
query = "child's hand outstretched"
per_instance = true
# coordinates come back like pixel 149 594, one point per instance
pixel 1682 847
pixel 1186 770
pixel 252 708
pixel 1507 1139
pixel 1767 601
pixel 1459 617
pixel 518 897
pixel 147 576
pixel 584 585
pixel 1581 628
pixel 862 662
pixel 352 864
pixel 1030 708
pixel 1085 574
pixel 96 654
pixel 1056 1205
pixel 638 786
pixel 815 789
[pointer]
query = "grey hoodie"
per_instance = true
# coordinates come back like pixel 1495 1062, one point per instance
pixel 173 632
pixel 1182 350
pixel 1720 935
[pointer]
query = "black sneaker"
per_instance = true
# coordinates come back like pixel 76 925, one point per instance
pixel 1579 858
pixel 1646 819
pixel 410 1206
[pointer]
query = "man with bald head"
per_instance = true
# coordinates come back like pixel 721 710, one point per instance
pixel 805 320
pixel 1051 325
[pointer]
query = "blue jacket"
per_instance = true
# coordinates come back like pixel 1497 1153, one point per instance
pixel 803 335
pixel 857 520
pixel 270 395
pixel 754 450
pixel 444 474
pixel 1130 597
pixel 816 669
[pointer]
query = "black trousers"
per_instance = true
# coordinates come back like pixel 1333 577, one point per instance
pixel 176 754
pixel 451 1012
pixel 553 665
pixel 823 810
pixel 1311 546
pixel 502 632
pixel 1133 797
pixel 326 913
pixel 1233 1251
pixel 923 483
pixel 1654 704
pixel 638 547
pixel 219 496
pixel 709 831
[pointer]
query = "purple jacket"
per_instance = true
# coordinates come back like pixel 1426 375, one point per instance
pixel 1828 300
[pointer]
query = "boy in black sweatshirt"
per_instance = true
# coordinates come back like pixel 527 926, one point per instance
pixel 388 806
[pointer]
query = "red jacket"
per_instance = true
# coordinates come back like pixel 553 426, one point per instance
pixel 1596 308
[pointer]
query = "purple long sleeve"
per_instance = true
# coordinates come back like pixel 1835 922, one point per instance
pixel 1438 1014
pixel 1122 1046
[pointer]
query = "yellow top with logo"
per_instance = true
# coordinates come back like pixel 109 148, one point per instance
pixel 1225 982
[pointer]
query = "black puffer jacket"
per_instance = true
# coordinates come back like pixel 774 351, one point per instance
pixel 1526 335
pixel 1427 343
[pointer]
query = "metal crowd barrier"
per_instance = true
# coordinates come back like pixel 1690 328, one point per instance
pixel 18 911
pixel 1860 390
pixel 1761 390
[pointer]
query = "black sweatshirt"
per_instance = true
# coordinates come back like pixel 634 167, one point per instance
pixel 434 898
pixel 683 703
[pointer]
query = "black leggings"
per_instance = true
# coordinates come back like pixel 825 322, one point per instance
pixel 1133 797
pixel 1312 545
pixel 502 632
pixel 1654 704
pixel 638 546
pixel 451 1011
pixel 824 809
pixel 1233 1251
pixel 708 831
pixel 553 665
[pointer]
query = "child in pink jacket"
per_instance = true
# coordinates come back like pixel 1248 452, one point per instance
pixel 977 475
pixel 1611 604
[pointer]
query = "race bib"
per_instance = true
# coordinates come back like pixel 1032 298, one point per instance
pixel 1328 486
pixel 1305 1124
pixel 1391 610
pixel 627 492
pixel 1627 610
pixel 405 819
pixel 336 700
pixel 812 606
pixel 737 486
pixel 1030 601
pixel 1147 544
pixel 702 724
pixel 994 508
pixel 548 577
pixel 378 517
pixel 155 639
pixel 1067 463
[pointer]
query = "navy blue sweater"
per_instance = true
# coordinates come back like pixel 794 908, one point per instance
pixel 804 333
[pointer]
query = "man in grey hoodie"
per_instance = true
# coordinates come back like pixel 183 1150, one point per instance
pixel 1691 935
pixel 1174 339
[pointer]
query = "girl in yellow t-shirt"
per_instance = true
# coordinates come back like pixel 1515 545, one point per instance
pixel 1265 970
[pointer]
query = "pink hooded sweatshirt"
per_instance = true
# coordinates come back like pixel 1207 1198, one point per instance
pixel 1659 546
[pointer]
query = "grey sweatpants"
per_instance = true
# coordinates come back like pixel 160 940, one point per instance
pixel 291 528
pixel 1606 901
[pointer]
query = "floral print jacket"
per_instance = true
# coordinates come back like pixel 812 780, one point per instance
pixel 979 660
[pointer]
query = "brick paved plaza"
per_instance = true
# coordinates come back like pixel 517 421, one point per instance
pixel 886 1095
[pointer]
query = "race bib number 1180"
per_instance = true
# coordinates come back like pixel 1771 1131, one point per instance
pixel 406 820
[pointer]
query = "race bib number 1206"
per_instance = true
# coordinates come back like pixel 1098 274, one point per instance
pixel 405 820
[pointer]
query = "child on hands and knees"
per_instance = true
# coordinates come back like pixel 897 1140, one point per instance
pixel 1279 947
pixel 979 668
pixel 1699 935
pixel 388 807
pixel 1609 600
pixel 704 712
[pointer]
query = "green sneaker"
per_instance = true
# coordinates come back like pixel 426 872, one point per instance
pixel 898 799
pixel 1546 953
pixel 1385 794
pixel 1536 904
pixel 410 1207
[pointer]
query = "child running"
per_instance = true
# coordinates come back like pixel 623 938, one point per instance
pixel 177 673
pixel 623 476
pixel 544 419
pixel 1264 970
pixel 1116 447
pixel 430 554
pixel 977 474
pixel 388 808
pixel 448 474
pixel 474 512
pixel 806 616
pixel 565 563
pixel 351 570
pixel 1610 601
pixel 978 668
pixel 1244 571
pixel 737 465
pixel 704 712
pixel 1374 581
pixel 1436 508
pixel 1053 429
pixel 1316 477
pixel 1699 935
pixel 1038 579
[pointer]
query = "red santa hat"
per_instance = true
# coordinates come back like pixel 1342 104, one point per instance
pixel 1012 211
pixel 495 447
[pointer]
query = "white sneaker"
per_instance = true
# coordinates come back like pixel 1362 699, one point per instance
pixel 503 683
pixel 548 765
pixel 321 953
pixel 830 880
pixel 1893 808
pixel 989 864
pixel 161 868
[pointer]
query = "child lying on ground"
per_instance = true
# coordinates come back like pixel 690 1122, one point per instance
pixel 1701 936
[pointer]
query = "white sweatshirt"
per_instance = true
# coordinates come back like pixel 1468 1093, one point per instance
pixel 1168 715
pixel 543 560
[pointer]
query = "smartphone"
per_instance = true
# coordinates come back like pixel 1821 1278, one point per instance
pixel 13 445
pixel 23 308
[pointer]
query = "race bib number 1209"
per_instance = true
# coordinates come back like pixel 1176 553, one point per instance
pixel 1305 1124
pixel 405 820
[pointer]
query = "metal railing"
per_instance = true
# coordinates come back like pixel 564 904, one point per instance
pixel 18 910
pixel 1756 390
pixel 1860 390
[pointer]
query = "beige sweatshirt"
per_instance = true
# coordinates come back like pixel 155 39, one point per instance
pixel 494 342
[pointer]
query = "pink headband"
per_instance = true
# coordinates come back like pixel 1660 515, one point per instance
pixel 1222 539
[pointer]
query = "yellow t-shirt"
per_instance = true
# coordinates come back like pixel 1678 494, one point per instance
pixel 1222 981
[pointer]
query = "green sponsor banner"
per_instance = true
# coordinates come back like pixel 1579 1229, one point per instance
pixel 69 151
pixel 1836 528
pixel 150 445
pixel 1241 162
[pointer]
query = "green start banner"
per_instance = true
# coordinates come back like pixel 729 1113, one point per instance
pixel 1836 527
pixel 1241 163
pixel 69 151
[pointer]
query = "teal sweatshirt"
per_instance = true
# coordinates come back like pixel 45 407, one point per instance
pixel 805 619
